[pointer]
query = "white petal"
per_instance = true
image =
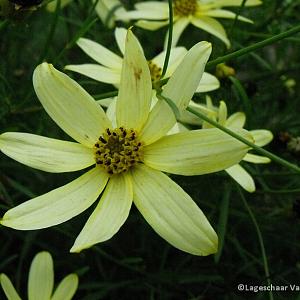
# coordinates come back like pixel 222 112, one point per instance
pixel 222 13
pixel 256 159
pixel 66 288
pixel 41 277
pixel 151 25
pixel 196 152
pixel 111 112
pixel 242 177
pixel 222 116
pixel 262 137
pixel 97 72
pixel 59 205
pixel 180 89
pixel 46 154
pixel 120 36
pixel 150 14
pixel 176 56
pixel 178 27
pixel 8 288
pixel 172 213
pixel 110 214
pixel 221 3
pixel 69 105
pixel 152 5
pixel 208 83
pixel 100 54
pixel 134 99
pixel 236 120
pixel 212 26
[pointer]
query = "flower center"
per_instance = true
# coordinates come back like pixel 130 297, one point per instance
pixel 184 7
pixel 118 150
pixel 155 71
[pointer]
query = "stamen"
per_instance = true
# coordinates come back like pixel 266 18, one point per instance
pixel 118 150
pixel 155 71
pixel 184 7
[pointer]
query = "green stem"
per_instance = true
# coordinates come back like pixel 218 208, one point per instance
pixel 51 33
pixel 254 47
pixel 105 95
pixel 169 46
pixel 260 240
pixel 111 14
pixel 245 141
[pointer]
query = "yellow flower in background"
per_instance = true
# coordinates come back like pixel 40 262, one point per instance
pixel 153 15
pixel 128 160
pixel 109 65
pixel 237 120
pixel 41 282
pixel 107 10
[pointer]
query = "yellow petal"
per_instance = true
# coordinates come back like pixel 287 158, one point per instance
pixel 100 54
pixel 69 105
pixel 178 27
pixel 120 36
pixel 208 83
pixel 212 26
pixel 59 205
pixel 256 159
pixel 46 154
pixel 222 13
pixel 236 120
pixel 242 177
pixel 196 152
pixel 97 72
pixel 135 91
pixel 180 89
pixel 8 288
pixel 222 113
pixel 172 213
pixel 67 288
pixel 41 277
pixel 110 214
pixel 262 137
pixel 151 25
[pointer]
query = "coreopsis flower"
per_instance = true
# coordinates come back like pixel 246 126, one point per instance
pixel 153 15
pixel 41 282
pixel 128 160
pixel 109 65
pixel 261 137
pixel 107 10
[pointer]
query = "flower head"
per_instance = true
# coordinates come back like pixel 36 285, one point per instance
pixel 109 65
pixel 41 282
pixel 261 138
pixel 153 15
pixel 128 160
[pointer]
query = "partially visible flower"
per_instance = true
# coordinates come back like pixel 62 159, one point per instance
pixel 107 10
pixel 41 282
pixel 237 120
pixel 109 65
pixel 128 160
pixel 153 15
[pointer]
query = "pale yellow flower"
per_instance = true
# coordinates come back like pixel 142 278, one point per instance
pixel 41 282
pixel 128 161
pixel 109 65
pixel 237 120
pixel 153 15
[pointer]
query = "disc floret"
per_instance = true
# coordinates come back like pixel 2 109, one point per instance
pixel 184 7
pixel 117 150
pixel 155 71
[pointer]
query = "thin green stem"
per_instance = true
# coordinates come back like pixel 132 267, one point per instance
pixel 236 16
pixel 105 95
pixel 111 14
pixel 260 240
pixel 254 47
pixel 169 46
pixel 258 149
pixel 51 33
